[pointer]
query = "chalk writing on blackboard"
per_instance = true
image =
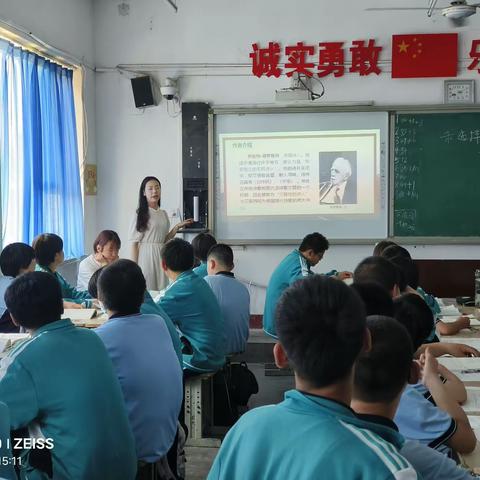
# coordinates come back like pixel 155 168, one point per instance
pixel 406 220
pixel 411 121
pixel 453 136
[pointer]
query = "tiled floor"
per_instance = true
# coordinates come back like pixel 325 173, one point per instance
pixel 199 460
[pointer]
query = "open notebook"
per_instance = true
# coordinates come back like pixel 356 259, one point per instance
pixel 81 314
pixel 85 317
pixel 467 369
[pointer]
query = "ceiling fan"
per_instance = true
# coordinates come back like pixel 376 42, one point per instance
pixel 457 11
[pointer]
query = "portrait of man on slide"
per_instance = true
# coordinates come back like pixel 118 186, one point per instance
pixel 338 178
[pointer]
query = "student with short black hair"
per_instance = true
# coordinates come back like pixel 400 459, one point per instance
pixel 93 283
pixel 381 271
pixel 381 246
pixel 378 270
pixel 408 272
pixel 60 383
pixel 440 423
pixel 376 299
pixel 413 313
pixel 232 296
pixel 49 254
pixel 297 264
pixel 148 307
pixel 202 244
pixel 105 251
pixel 144 359
pixel 15 259
pixel 313 433
pixel 194 309
pixel 381 375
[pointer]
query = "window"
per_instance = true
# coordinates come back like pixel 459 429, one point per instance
pixel 39 162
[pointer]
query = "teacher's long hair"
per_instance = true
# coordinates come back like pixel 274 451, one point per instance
pixel 143 215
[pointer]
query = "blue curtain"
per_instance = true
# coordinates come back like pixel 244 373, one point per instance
pixel 40 175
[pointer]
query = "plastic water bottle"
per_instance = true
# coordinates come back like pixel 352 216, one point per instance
pixel 477 288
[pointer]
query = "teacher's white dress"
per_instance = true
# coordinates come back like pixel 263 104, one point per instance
pixel 150 243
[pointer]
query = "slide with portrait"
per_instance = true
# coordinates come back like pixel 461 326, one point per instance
pixel 332 172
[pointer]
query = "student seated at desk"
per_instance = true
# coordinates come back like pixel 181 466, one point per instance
pixel 145 362
pixel 194 309
pixel 297 264
pixel 401 257
pixel 49 255
pixel 381 375
pixel 15 259
pixel 105 251
pixel 313 433
pixel 202 244
pixel 381 271
pixel 444 329
pixel 60 385
pixel 232 296
pixel 407 270
pixel 148 307
pixel 430 411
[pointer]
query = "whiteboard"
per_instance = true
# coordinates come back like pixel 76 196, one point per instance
pixel 280 176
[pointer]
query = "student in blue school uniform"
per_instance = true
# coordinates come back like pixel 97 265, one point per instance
pixel 60 385
pixel 381 375
pixel 232 296
pixel 313 433
pixel 383 272
pixel 15 259
pixel 194 309
pixel 202 244
pixel 430 411
pixel 148 307
pixel 49 255
pixel 144 360
pixel 297 264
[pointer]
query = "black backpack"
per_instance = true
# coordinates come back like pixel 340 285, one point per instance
pixel 233 386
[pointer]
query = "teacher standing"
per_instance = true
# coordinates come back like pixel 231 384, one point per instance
pixel 149 230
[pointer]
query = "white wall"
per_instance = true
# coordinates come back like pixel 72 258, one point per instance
pixel 131 144
pixel 68 26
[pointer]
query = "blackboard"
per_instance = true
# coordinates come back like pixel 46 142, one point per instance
pixel 436 175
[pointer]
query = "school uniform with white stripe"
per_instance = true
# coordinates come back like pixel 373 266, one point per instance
pixel 60 384
pixel 307 437
pixel 293 267
pixel 194 309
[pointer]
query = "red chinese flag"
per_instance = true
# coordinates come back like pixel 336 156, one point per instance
pixel 424 55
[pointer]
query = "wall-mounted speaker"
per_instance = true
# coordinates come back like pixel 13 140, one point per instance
pixel 143 91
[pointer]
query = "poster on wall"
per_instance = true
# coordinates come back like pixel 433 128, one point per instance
pixel 90 179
